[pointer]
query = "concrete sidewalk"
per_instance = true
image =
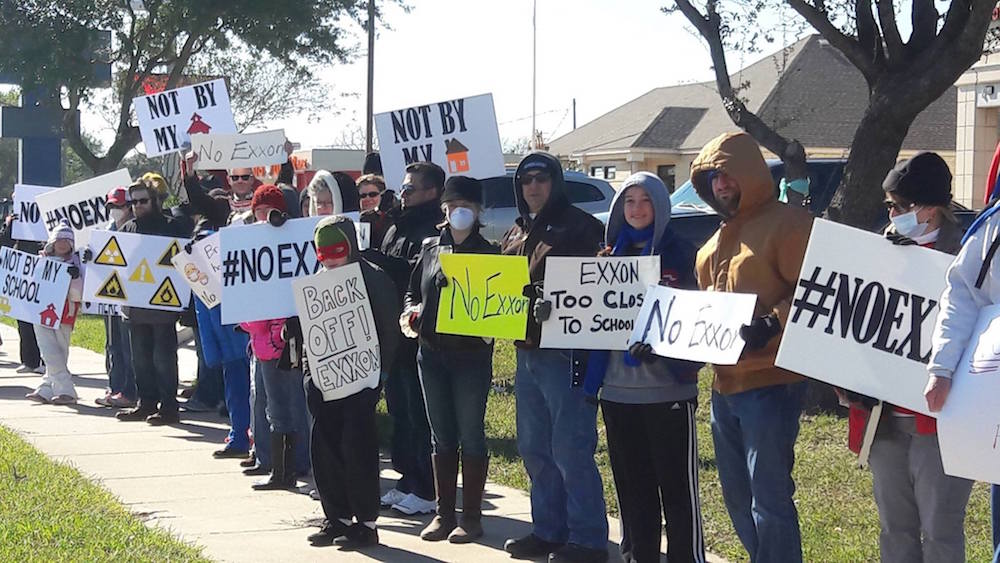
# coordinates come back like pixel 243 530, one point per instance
pixel 167 477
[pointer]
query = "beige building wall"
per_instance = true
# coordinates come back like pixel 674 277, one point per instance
pixel 977 130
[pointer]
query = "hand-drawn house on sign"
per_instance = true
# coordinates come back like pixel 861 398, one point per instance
pixel 49 316
pixel 198 126
pixel 458 156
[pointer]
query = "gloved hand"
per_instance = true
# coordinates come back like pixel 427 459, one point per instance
pixel 74 271
pixel 409 321
pixel 760 331
pixel 440 280
pixel 900 240
pixel 277 218
pixel 532 291
pixel 642 352
pixel 87 255
pixel 542 311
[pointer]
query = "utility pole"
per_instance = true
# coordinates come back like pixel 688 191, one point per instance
pixel 574 114
pixel 534 69
pixel 369 114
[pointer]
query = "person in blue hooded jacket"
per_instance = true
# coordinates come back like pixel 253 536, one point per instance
pixel 648 402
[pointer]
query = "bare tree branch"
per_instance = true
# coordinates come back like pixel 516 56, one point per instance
pixel 851 48
pixel 923 16
pixel 890 31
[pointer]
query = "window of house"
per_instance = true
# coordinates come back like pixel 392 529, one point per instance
pixel 666 173
pixel 609 172
pixel 597 171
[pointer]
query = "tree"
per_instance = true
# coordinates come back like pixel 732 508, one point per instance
pixel 903 77
pixel 44 40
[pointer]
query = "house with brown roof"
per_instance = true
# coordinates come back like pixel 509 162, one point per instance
pixel 807 91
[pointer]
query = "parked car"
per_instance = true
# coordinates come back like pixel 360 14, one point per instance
pixel 592 195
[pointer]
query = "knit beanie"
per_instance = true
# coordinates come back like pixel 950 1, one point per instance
pixel 462 187
pixel 924 180
pixel 331 242
pixel 268 195
pixel 61 231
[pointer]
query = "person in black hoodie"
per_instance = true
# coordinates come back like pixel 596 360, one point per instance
pixel 153 333
pixel 455 371
pixel 556 425
pixel 416 220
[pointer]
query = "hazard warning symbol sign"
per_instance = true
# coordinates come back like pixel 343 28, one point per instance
pixel 166 295
pixel 111 254
pixel 112 287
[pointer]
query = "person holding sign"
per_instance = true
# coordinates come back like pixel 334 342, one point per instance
pixel 57 384
pixel 455 371
pixel 344 435
pixel 649 402
pixel 556 425
pixel 759 248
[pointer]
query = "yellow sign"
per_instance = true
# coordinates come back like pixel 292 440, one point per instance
pixel 111 254
pixel 484 296
pixel 166 295
pixel 112 287
pixel 173 249
pixel 142 273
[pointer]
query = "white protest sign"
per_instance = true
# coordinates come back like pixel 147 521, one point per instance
pixel 862 314
pixel 34 288
pixel 168 119
pixel 338 331
pixel 202 270
pixel 595 300
pixel 700 326
pixel 28 223
pixel 460 136
pixel 968 426
pixel 83 204
pixel 135 271
pixel 240 150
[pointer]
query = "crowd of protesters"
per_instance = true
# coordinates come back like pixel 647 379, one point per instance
pixel 436 385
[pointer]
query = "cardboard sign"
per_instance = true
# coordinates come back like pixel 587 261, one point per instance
pixel 969 424
pixel 484 296
pixel 28 224
pixel 168 119
pixel 135 271
pixel 34 288
pixel 700 326
pixel 100 309
pixel 460 136
pixel 338 331
pixel 202 270
pixel 241 150
pixel 83 205
pixel 595 300
pixel 862 314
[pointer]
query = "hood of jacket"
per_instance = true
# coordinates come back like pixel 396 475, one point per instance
pixel 739 156
pixel 659 196
pixel 346 226
pixel 558 198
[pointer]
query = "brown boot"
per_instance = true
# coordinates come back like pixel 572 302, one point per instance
pixel 445 483
pixel 473 483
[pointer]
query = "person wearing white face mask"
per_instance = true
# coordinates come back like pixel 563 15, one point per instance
pixel 455 371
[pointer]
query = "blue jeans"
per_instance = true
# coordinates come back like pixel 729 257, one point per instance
pixel 236 379
pixel 456 384
pixel 121 377
pixel 261 417
pixel 557 438
pixel 754 433
pixel 411 433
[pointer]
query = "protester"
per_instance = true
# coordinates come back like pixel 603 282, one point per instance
pixel 153 333
pixel 758 249
pixel 649 402
pixel 455 371
pixel 121 391
pixel 345 449
pixel 57 384
pixel 416 220
pixel 556 425
pixel 325 200
pixel 371 188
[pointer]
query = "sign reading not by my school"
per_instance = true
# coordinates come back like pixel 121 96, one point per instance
pixel 135 271
pixel 484 296
pixel 83 204
pixel 862 314
pixel 460 136
pixel 34 288
pixel 168 119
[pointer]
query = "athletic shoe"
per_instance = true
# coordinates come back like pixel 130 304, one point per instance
pixel 104 401
pixel 392 497
pixel 64 400
pixel 413 504
pixel 37 397
pixel 120 401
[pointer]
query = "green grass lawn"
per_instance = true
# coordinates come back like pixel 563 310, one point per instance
pixel 49 512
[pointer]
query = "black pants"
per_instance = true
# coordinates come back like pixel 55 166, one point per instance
pixel 154 359
pixel 30 356
pixel 344 451
pixel 654 459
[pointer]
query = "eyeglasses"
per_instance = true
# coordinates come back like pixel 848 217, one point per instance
pixel 236 177
pixel 366 195
pixel 140 201
pixel 542 177
pixel 898 207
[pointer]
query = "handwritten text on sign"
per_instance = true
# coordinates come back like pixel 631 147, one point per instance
pixel 701 326
pixel 484 296
pixel 595 300
pixel 200 269
pixel 28 224
pixel 862 314
pixel 242 150
pixel 168 119
pixel 338 331
pixel 34 288
pixel 83 204
pixel 969 424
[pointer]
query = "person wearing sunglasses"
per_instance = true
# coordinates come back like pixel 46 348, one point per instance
pixel 556 425
pixel 371 191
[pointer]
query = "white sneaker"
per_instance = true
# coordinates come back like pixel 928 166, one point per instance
pixel 392 497
pixel 413 504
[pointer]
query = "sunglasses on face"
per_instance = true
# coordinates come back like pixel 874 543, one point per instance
pixel 366 195
pixel 140 201
pixel 237 177
pixel 542 177
pixel 899 207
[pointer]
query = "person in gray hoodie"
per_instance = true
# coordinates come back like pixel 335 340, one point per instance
pixel 648 402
